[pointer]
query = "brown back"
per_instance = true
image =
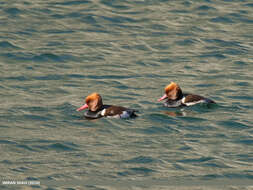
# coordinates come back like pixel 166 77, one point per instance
pixel 114 110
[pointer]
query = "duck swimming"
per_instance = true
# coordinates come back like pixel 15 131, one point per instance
pixel 97 109
pixel 176 98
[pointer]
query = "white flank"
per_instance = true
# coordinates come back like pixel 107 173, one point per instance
pixel 115 116
pixel 124 115
pixel 103 112
pixel 193 103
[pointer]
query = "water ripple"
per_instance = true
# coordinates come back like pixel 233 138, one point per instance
pixel 140 159
pixel 5 45
pixel 55 53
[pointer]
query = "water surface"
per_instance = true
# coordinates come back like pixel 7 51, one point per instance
pixel 54 53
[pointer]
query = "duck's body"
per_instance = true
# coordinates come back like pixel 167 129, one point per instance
pixel 111 111
pixel 98 110
pixel 187 100
pixel 176 98
pixel 118 112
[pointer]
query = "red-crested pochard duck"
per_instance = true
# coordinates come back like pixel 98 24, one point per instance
pixel 97 109
pixel 176 98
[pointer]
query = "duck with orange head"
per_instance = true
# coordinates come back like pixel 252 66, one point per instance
pixel 96 109
pixel 175 97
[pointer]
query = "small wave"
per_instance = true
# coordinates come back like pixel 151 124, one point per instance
pixel 13 11
pixel 47 57
pixel 50 77
pixel 140 159
pixel 214 54
pixel 58 146
pixel 36 117
pixel 137 171
pixel 5 45
pixel 234 125
pixel 20 169
pixel 245 141
pixel 205 8
pixel 26 147
pixel 157 130
pixel 17 78
pixel 224 43
pixel 220 19
pixel 70 3
pixel 249 5
pixel 185 42
pixel 197 160
pixel 7 142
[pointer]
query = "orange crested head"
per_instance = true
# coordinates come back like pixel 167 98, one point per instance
pixel 172 92
pixel 93 102
pixel 172 86
pixel 92 97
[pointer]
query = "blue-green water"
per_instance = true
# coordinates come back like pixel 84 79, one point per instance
pixel 54 53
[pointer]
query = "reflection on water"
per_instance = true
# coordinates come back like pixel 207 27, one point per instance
pixel 195 110
pixel 54 53
pixel 174 114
